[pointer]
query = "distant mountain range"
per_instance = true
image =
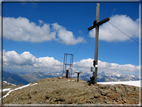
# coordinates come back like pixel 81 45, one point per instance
pixel 36 76
pixel 13 78
pixel 110 77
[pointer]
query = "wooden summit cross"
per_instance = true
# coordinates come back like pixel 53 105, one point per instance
pixel 96 24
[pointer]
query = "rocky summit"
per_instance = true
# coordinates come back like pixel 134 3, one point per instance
pixel 68 91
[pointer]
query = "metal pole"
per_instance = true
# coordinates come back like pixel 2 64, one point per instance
pixel 63 66
pixel 96 44
pixel 77 77
pixel 72 66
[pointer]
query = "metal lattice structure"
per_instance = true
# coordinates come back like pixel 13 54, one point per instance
pixel 67 62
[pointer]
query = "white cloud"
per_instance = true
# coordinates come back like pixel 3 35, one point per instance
pixel 41 22
pixel 12 57
pixel 27 62
pixel 86 64
pixel 65 36
pixel 47 61
pixel 21 29
pixel 109 33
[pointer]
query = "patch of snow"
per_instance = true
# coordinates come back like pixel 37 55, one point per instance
pixel 7 94
pixel 132 76
pixel 6 89
pixel 40 75
pixel 21 87
pixel 13 84
pixel 5 81
pixel 8 83
pixel 47 101
pixel 118 75
pixel 34 84
pixel 17 89
pixel 133 83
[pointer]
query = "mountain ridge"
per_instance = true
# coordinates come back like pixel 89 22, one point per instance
pixel 36 76
pixel 13 78
pixel 69 91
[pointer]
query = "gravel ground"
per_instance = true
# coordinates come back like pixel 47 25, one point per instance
pixel 63 91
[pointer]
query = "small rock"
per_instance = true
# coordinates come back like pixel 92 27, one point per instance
pixel 124 99
pixel 119 90
pixel 103 87
pixel 97 95
pixel 105 97
pixel 86 85
pixel 108 102
pixel 96 84
pixel 91 97
pixel 47 101
pixel 114 96
pixel 87 101
pixel 29 102
pixel 50 92
pixel 82 99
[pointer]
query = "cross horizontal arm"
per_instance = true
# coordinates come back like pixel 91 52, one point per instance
pixel 103 21
pixel 92 27
pixel 98 24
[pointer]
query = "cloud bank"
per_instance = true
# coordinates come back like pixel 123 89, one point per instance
pixel 85 65
pixel 26 62
pixel 109 33
pixel 21 29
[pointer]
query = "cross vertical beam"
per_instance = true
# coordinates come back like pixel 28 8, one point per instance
pixel 95 62
pixel 96 44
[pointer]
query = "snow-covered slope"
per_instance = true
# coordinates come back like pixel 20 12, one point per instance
pixel 7 83
pixel 133 83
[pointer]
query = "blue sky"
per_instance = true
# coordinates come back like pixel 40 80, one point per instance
pixel 36 36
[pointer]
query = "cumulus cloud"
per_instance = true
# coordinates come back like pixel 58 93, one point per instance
pixel 47 61
pixel 27 62
pixel 85 64
pixel 22 29
pixel 12 57
pixel 65 36
pixel 109 33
